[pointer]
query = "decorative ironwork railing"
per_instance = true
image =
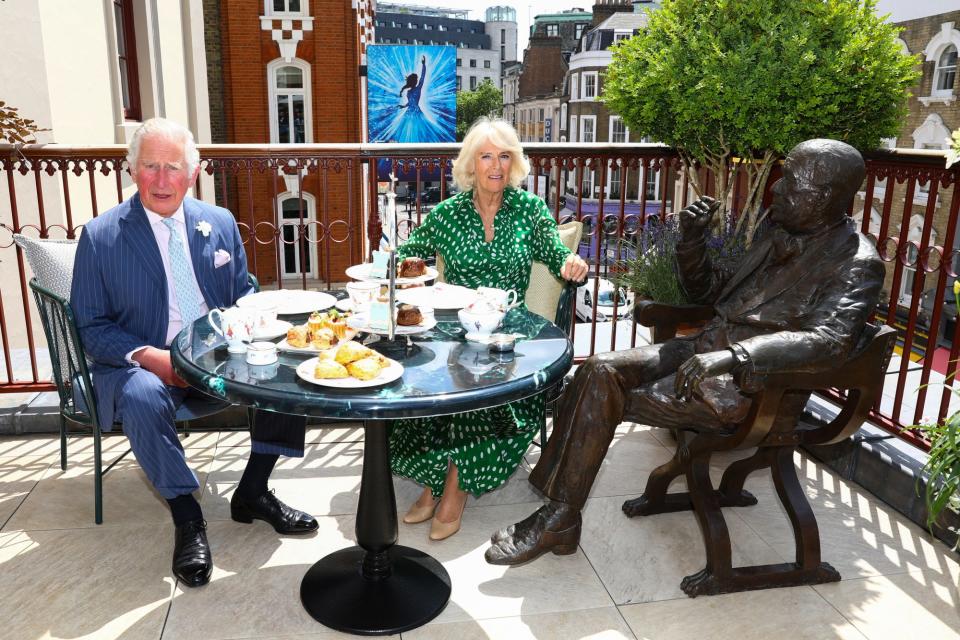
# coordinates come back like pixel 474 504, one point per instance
pixel 306 212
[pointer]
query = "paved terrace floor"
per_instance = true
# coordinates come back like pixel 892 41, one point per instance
pixel 64 577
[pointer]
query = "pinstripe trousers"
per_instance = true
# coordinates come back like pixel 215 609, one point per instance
pixel 147 408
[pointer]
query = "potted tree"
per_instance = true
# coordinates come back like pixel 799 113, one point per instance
pixel 733 86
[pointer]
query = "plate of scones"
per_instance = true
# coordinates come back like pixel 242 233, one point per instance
pixel 321 332
pixel 350 365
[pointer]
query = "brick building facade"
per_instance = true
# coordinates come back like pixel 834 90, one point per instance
pixel 934 113
pixel 291 76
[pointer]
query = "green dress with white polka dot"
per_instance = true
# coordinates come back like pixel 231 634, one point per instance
pixel 486 445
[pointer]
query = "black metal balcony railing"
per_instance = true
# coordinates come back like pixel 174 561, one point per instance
pixel 909 201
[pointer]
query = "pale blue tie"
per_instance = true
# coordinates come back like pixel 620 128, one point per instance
pixel 182 271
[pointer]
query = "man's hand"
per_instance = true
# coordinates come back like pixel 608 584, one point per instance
pixel 574 269
pixel 157 361
pixel 706 365
pixel 696 217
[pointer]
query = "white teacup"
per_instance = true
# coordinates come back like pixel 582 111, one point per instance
pixel 236 325
pixel 503 299
pixel 362 294
pixel 480 320
pixel 264 315
pixel 260 353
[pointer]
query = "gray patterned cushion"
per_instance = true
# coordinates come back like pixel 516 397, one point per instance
pixel 51 261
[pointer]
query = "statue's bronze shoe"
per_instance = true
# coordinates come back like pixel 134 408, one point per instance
pixel 531 538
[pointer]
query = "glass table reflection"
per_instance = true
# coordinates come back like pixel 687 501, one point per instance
pixel 379 587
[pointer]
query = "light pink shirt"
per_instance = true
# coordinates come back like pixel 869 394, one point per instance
pixel 162 234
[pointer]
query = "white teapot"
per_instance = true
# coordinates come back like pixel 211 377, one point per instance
pixel 480 319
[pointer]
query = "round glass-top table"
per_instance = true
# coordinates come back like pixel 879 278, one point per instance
pixel 379 587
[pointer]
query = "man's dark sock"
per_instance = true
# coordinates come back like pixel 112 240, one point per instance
pixel 253 483
pixel 184 509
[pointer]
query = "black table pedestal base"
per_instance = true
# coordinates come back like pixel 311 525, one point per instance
pixel 335 592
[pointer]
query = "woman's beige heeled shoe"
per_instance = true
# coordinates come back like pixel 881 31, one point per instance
pixel 417 513
pixel 440 530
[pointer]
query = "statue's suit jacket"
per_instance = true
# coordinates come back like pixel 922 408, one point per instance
pixel 119 293
pixel 793 306
pixel 804 314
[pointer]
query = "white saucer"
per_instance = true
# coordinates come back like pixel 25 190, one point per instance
pixel 272 330
pixel 478 337
pixel 344 305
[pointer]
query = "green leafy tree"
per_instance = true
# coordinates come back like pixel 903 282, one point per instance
pixel 485 100
pixel 735 84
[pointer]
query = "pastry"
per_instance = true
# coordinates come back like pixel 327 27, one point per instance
pixel 326 369
pixel 364 369
pixel 336 322
pixel 351 351
pixel 409 315
pixel 314 323
pixel 297 336
pixel 413 267
pixel 323 338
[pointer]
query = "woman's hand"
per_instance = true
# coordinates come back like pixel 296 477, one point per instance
pixel 574 269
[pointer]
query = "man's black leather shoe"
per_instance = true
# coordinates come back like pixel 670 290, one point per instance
pixel 267 507
pixel 192 562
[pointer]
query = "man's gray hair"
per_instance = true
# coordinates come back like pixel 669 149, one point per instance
pixel 170 130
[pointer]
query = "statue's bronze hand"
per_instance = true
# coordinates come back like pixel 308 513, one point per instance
pixel 697 215
pixel 705 365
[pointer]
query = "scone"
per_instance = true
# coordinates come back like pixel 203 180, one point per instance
pixel 327 369
pixel 351 351
pixel 297 336
pixel 364 369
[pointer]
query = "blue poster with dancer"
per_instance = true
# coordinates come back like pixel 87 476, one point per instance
pixel 412 93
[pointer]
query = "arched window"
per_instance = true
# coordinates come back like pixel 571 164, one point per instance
pixel 290 108
pixel 946 74
pixel 289 223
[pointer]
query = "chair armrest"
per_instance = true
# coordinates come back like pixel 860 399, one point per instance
pixel 564 315
pixel 665 318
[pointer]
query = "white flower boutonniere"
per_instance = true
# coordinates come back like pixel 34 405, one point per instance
pixel 204 227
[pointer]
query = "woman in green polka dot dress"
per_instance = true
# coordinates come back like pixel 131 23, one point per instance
pixel 488 235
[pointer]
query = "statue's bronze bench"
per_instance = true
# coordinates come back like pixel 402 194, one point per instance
pixel 775 432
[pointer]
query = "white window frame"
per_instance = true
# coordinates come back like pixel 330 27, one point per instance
pixel 585 85
pixel 563 116
pixel 933 52
pixel 574 86
pixel 273 93
pixel 942 69
pixel 268 9
pixel 309 216
pixel 626 130
pixel 574 132
pixel 914 235
pixel 617 37
pixel 552 26
pixel 583 128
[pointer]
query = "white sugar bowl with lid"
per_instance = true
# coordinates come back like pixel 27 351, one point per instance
pixel 261 353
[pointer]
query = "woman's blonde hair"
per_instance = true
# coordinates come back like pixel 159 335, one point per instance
pixel 502 134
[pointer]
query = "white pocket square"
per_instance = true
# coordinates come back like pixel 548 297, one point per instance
pixel 220 258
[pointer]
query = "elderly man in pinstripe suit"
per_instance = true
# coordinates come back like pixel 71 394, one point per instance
pixel 143 270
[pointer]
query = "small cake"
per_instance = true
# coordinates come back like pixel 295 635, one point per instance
pixel 314 324
pixel 297 336
pixel 364 369
pixel 336 322
pixel 327 369
pixel 323 338
pixel 413 267
pixel 409 315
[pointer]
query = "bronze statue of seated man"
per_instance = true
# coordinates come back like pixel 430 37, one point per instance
pixel 797 303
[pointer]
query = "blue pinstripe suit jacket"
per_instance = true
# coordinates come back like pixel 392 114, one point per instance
pixel 119 292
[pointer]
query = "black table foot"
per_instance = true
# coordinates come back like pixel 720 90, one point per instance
pixel 335 592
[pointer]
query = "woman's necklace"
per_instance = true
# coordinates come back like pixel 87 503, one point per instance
pixel 487 225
